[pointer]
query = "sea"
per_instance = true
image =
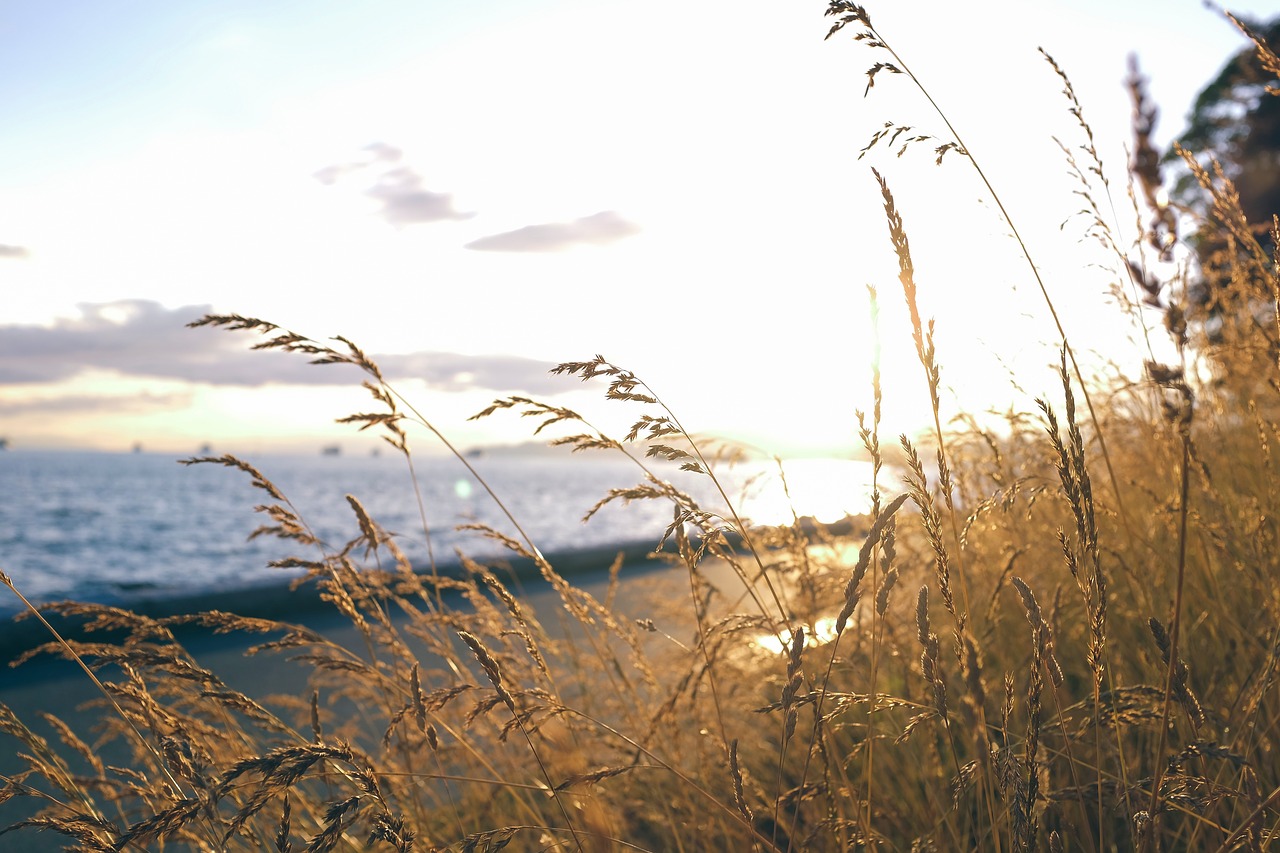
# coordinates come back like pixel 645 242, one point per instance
pixel 117 528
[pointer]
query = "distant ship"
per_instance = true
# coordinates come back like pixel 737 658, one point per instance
pixel 4 444
pixel 331 450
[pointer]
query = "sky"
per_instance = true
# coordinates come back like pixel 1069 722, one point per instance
pixel 475 192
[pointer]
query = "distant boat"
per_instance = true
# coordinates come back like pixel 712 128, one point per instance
pixel 137 447
pixel 4 444
pixel 331 450
pixel 206 449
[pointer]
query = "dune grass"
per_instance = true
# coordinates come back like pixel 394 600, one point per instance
pixel 1060 635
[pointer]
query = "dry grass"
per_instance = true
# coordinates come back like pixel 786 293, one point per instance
pixel 1013 660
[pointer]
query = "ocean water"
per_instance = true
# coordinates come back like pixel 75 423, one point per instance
pixel 110 527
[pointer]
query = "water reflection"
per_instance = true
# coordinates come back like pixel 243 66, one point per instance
pixel 824 489
pixel 820 633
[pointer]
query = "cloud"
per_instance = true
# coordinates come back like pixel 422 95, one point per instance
pixel 401 191
pixel 141 338
pixel 597 229
pixel 446 371
pixel 371 157
pixel 19 252
pixel 90 404
pixel 405 201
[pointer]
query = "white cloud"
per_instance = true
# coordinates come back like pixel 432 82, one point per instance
pixel 140 338
pixel 401 190
pixel 92 404
pixel 598 229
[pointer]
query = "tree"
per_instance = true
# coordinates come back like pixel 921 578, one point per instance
pixel 1231 184
pixel 1236 119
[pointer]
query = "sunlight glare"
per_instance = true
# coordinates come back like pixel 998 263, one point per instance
pixel 826 490
pixel 820 633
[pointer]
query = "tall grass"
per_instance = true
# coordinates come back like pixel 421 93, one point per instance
pixel 999 657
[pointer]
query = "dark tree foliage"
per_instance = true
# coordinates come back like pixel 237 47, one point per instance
pixel 1236 122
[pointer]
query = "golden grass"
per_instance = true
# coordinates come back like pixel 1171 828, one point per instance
pixel 1011 660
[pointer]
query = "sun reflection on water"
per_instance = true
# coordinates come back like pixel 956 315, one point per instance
pixel 820 633
pixel 825 489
